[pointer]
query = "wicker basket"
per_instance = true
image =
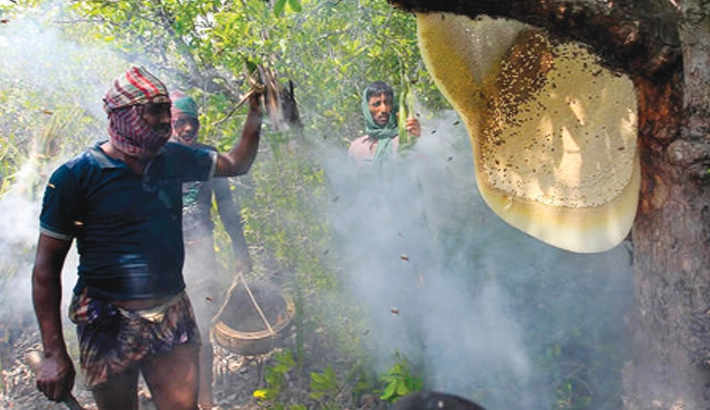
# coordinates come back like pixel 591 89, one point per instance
pixel 240 328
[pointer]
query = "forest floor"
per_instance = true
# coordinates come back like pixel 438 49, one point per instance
pixel 236 379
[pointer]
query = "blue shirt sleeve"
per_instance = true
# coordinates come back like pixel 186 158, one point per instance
pixel 61 209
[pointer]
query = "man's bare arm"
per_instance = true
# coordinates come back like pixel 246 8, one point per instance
pixel 56 374
pixel 239 159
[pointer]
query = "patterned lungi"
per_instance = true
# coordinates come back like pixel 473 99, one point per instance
pixel 113 339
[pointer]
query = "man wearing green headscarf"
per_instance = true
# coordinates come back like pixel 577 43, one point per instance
pixel 381 140
pixel 198 231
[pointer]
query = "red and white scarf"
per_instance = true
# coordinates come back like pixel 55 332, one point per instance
pixel 125 104
pixel 130 134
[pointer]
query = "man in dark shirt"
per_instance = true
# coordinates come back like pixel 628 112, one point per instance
pixel 122 202
pixel 200 259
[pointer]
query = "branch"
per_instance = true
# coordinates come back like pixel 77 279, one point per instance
pixel 207 79
pixel 637 37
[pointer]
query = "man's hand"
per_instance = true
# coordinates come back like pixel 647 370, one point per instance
pixel 55 373
pixel 413 127
pixel 255 101
pixel 239 159
pixel 55 377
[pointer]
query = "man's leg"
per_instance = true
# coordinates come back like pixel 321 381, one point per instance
pixel 205 292
pixel 206 361
pixel 120 392
pixel 173 378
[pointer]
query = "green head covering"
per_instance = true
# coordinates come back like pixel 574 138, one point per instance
pixel 183 104
pixel 383 134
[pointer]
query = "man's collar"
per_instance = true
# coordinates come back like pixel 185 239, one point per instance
pixel 105 161
pixel 102 158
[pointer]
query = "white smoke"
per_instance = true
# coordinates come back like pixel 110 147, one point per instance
pixel 54 88
pixel 443 279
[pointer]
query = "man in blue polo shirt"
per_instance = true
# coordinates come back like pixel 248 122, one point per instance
pixel 121 201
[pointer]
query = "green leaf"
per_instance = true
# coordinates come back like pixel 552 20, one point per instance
pixel 405 106
pixel 402 121
pixel 295 5
pixel 402 389
pixel 251 66
pixel 318 378
pixel 390 391
pixel 279 7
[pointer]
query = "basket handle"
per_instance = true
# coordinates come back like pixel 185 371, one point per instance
pixel 233 286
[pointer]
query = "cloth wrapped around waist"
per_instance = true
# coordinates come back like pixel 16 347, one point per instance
pixel 112 338
pixel 86 310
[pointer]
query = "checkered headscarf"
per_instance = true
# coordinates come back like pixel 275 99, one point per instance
pixel 125 103
pixel 135 86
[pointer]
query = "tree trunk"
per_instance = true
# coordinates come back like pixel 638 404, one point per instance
pixel 665 49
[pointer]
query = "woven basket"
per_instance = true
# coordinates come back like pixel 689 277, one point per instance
pixel 238 327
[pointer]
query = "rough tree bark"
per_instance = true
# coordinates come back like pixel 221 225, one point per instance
pixel 664 47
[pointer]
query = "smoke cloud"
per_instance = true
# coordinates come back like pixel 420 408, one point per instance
pixel 474 301
pixel 54 90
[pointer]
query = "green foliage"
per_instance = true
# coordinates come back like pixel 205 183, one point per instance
pixel 43 113
pixel 406 109
pixel 330 49
pixel 326 389
pixel 400 380
pixel 324 384
pixel 275 376
pixel 280 6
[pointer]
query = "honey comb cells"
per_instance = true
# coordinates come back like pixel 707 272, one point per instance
pixel 553 132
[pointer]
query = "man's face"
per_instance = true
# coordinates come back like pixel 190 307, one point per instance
pixel 380 108
pixel 185 127
pixel 158 117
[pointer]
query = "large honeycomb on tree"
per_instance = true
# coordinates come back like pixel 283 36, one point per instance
pixel 553 132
